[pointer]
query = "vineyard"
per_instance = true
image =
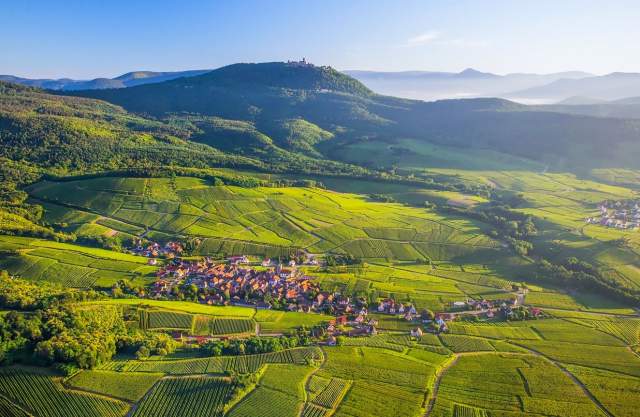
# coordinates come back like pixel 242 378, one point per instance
pixel 460 410
pixel 67 264
pixel 459 343
pixel 280 221
pixel 240 364
pixel 380 341
pixel 42 394
pixel 156 319
pixel 130 386
pixel 8 409
pixel 205 325
pixel 282 387
pixel 312 410
pixel 331 395
pixel 521 386
pixel 186 396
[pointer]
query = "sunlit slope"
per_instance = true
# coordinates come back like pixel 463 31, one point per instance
pixel 261 221
pixel 560 204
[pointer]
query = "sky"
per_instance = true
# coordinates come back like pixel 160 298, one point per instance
pixel 92 38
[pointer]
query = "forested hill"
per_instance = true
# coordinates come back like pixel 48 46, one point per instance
pixel 71 134
pixel 271 95
pixel 235 91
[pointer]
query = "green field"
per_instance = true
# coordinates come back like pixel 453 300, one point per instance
pixel 273 220
pixel 186 396
pixel 514 385
pixel 70 265
pixel 202 319
pixel 130 386
pixel 411 253
pixel 41 393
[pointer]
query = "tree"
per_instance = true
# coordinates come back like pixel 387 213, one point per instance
pixel 143 352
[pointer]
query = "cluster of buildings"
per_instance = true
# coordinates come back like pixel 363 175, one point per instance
pixel 390 306
pixel 302 63
pixel 233 283
pixel 359 325
pixel 153 250
pixel 236 283
pixel 617 214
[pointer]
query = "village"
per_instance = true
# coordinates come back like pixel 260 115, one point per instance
pixel 617 214
pixel 267 284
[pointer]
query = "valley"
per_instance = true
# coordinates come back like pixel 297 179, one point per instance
pixel 278 240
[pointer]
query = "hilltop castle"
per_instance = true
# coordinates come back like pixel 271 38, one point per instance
pixel 302 63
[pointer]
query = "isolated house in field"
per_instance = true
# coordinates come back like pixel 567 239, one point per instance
pixel 417 332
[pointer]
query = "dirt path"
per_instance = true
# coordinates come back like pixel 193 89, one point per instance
pixel 436 384
pixel 308 381
pixel 441 372
pixel 571 376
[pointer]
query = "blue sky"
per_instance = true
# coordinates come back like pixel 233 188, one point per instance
pixel 86 39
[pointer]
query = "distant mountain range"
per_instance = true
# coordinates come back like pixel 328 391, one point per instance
pixel 562 88
pixel 129 79
pixel 626 108
pixel 470 83
pixel 614 86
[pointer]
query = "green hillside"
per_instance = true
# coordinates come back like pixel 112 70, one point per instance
pixel 480 212
pixel 265 93
pixel 263 221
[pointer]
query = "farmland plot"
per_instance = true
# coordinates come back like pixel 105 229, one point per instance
pixel 221 326
pixel 129 386
pixel 159 319
pixel 385 383
pixel 186 396
pixel 617 392
pixel 39 392
pixel 515 386
pixel 281 387
pixel 274 221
